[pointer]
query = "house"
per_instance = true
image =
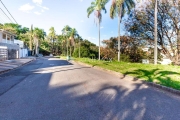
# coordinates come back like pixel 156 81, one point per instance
pixel 8 50
pixel 23 51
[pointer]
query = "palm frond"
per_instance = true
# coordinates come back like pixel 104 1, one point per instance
pixel 112 11
pixel 90 10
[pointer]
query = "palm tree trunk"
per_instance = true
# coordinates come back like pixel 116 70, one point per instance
pixel 99 41
pixel 155 34
pixel 119 40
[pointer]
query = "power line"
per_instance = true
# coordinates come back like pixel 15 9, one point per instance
pixel 2 17
pixel 5 14
pixel 1 21
pixel 8 11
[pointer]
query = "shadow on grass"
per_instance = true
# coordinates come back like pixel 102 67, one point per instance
pixel 158 76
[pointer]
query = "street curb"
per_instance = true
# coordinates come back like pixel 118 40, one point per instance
pixel 5 71
pixel 171 90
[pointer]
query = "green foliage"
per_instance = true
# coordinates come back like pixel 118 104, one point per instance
pixel 87 49
pixel 24 37
pixel 120 7
pixel 45 44
pixel 125 58
pixel 97 6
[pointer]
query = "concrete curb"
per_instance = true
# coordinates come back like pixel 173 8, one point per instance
pixel 171 90
pixel 5 71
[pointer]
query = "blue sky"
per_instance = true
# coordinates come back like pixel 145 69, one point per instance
pixel 58 13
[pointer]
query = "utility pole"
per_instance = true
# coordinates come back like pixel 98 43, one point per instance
pixel 99 42
pixel 79 48
pixel 67 49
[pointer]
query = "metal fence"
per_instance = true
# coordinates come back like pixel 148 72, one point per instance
pixel 3 53
pixel 8 51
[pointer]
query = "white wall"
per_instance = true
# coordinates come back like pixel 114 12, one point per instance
pixel 21 43
pixel 0 36
pixel 23 53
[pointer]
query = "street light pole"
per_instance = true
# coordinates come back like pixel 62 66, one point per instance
pixel 67 48
pixel 79 49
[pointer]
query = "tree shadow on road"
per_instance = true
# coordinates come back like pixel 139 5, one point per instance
pixel 111 102
pixel 99 97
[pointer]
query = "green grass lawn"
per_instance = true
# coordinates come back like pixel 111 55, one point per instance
pixel 166 75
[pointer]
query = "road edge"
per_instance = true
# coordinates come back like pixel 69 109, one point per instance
pixel 168 89
pixel 8 70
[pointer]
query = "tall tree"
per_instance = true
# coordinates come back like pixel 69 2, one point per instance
pixel 141 26
pixel 52 35
pixel 62 42
pixel 97 6
pixel 73 35
pixel 30 34
pixel 120 7
pixel 66 33
pixel 79 42
pixel 38 35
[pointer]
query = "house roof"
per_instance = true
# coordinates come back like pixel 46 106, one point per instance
pixel 7 32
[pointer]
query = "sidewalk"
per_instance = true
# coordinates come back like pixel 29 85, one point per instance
pixel 12 64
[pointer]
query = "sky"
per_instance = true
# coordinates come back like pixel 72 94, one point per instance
pixel 59 13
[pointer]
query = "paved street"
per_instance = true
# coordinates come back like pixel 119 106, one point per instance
pixel 11 64
pixel 53 89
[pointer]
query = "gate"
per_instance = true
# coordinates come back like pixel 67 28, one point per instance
pixel 3 53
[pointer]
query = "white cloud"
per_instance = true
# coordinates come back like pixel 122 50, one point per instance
pixel 26 8
pixel 102 27
pixel 37 13
pixel 82 21
pixel 43 7
pixel 81 0
pixel 37 1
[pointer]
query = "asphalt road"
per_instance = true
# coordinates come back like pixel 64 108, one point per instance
pixel 53 89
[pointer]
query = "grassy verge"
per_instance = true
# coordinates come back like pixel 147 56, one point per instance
pixel 166 75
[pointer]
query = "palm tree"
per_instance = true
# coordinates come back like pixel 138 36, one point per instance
pixel 30 35
pixel 80 39
pixel 38 35
pixel 52 35
pixel 120 7
pixel 66 32
pixel 97 6
pixel 73 34
pixel 61 41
